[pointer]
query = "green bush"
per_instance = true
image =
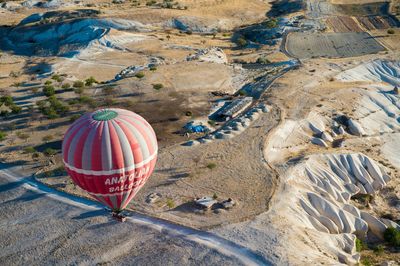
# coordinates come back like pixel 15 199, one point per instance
pixel 211 166
pixel 49 90
pixel 7 100
pixel 379 249
pixel 78 84
pixel 390 31
pixel 263 60
pixel 211 122
pixel 66 86
pixel 49 152
pixel 392 236
pixel 90 81
pixel 48 82
pixel 158 86
pixel 170 203
pixel 22 135
pixel 79 90
pixel 241 42
pixel 3 135
pixel 29 150
pixel 57 78
pixel 15 109
pixel 272 23
pixel 153 68
pixel 359 245
pixel 139 75
pixel 35 155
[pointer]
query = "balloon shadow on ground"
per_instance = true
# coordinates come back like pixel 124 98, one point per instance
pixel 10 186
pixel 90 214
pixel 27 198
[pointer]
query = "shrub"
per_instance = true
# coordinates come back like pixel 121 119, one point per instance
pixel 15 109
pixel 7 100
pixel 170 203
pixel 66 86
pixel 3 135
pixel 22 135
pixel 215 196
pixel 90 81
pixel 49 90
pixel 49 152
pixel 57 78
pixel 359 245
pixel 153 68
pixel 35 155
pixel 241 42
pixel 74 117
pixel 211 122
pixel 392 236
pixel 139 75
pixel 242 93
pixel 79 90
pixel 390 31
pixel 47 138
pixel 272 23
pixel 158 86
pixel 211 166
pixel 29 150
pixel 263 60
pixel 78 84
pixel 379 249
pixel 48 82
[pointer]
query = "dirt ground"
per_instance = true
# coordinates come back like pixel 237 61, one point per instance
pixel 348 44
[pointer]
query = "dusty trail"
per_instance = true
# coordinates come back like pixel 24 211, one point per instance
pixel 55 226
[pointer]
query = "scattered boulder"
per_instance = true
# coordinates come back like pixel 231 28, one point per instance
pixel 213 55
pixel 205 202
pixel 355 128
pixel 319 142
pixel 228 204
pixel 375 226
pixel 326 136
pixel 153 197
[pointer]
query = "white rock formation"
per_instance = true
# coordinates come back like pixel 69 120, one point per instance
pixel 213 55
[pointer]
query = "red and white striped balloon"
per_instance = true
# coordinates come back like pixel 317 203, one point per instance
pixel 110 153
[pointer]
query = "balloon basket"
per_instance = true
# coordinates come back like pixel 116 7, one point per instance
pixel 119 217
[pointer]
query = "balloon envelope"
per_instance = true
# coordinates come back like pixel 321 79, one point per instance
pixel 110 153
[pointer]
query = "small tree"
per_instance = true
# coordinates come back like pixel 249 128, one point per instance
pixel 390 31
pixel 49 90
pixel 158 86
pixel 3 135
pixel 139 75
pixel 90 81
pixel 78 84
pixel 241 42
pixel 49 152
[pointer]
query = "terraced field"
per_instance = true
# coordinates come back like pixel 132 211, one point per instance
pixel 309 45
pixel 378 22
pixel 343 24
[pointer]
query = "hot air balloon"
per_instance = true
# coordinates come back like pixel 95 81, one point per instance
pixel 110 153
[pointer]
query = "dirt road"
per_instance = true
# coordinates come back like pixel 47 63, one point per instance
pixel 40 226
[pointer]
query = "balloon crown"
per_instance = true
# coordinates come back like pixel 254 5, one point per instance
pixel 104 115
